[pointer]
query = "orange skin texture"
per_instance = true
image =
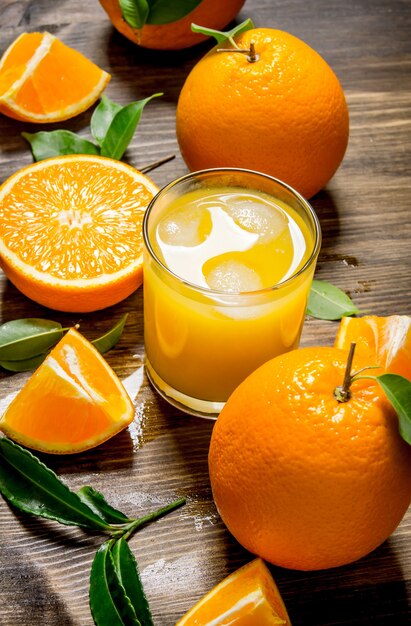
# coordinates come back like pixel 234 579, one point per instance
pixel 71 297
pixel 300 479
pixel 175 35
pixel 284 115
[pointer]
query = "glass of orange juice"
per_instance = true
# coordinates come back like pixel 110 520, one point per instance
pixel 229 256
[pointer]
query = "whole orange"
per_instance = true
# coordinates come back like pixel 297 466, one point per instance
pixel 300 479
pixel 175 35
pixel 284 114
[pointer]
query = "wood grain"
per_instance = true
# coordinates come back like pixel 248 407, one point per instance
pixel 365 217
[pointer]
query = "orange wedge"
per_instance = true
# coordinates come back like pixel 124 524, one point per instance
pixel 73 401
pixel 386 341
pixel 42 80
pixel 248 597
pixel 71 231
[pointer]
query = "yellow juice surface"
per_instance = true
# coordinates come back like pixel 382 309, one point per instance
pixel 206 330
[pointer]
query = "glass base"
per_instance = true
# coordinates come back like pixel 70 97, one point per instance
pixel 192 406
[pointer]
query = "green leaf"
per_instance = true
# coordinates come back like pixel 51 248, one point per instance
pixel 327 302
pixel 24 365
pixel 122 128
pixel 102 117
pixel 28 337
pixel 97 503
pixel 111 337
pixel 32 487
pixel 398 391
pixel 139 12
pixel 164 11
pixel 109 603
pixel 45 145
pixel 135 12
pixel 127 571
pixel 221 36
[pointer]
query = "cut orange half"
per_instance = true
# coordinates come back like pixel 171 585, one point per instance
pixel 386 341
pixel 73 401
pixel 71 231
pixel 42 80
pixel 248 597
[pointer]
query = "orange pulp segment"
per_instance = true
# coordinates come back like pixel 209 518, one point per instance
pixel 386 341
pixel 71 231
pixel 248 597
pixel 42 80
pixel 73 401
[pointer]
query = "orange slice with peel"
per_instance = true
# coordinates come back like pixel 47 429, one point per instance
pixel 248 597
pixel 386 341
pixel 73 401
pixel 71 231
pixel 42 80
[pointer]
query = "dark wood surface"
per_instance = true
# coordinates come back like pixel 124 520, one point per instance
pixel 365 217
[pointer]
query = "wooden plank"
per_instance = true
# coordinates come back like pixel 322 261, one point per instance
pixel 364 213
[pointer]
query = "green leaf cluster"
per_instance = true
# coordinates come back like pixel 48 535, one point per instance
pixel 112 127
pixel 137 13
pixel 116 593
pixel 25 343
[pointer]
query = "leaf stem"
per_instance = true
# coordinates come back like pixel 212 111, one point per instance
pixel 356 376
pixel 128 529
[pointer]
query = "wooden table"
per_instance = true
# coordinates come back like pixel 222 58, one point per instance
pixel 364 213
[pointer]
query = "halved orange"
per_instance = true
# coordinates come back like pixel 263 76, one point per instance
pixel 42 80
pixel 248 597
pixel 73 401
pixel 386 341
pixel 71 231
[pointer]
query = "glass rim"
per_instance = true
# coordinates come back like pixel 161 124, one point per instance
pixel 227 294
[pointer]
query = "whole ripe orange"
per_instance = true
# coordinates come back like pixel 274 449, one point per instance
pixel 175 35
pixel 300 479
pixel 70 231
pixel 285 114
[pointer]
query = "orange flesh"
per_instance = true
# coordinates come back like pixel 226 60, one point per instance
pixel 76 75
pixel 386 341
pixel 38 414
pixel 48 216
pixel 22 50
pixel 14 64
pixel 58 81
pixel 72 402
pixel 248 597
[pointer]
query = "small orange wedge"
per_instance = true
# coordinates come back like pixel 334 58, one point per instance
pixel 73 401
pixel 71 231
pixel 248 597
pixel 42 80
pixel 386 341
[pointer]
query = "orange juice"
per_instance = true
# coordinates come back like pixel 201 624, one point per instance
pixel 227 274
